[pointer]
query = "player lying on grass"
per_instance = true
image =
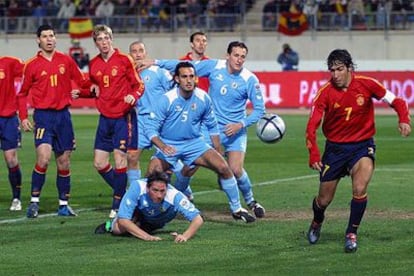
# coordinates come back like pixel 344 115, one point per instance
pixel 148 205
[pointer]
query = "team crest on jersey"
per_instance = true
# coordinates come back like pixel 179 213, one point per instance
pixel 337 105
pixel 234 85
pixel 147 78
pixel 114 71
pixel 43 73
pixel 185 203
pixel 360 100
pixel 62 69
pixel 194 106
pixel 2 74
pixel 99 73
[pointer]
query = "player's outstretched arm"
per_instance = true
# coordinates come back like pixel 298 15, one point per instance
pixel 128 226
pixel 191 230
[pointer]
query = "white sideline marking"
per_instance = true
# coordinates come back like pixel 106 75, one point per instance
pixel 275 181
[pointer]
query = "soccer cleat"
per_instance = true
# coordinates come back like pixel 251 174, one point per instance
pixel 33 210
pixel 104 227
pixel 66 211
pixel 243 215
pixel 257 209
pixel 314 232
pixel 113 213
pixel 16 205
pixel 351 243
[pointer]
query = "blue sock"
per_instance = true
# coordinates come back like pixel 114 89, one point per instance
pixel 63 184
pixel 133 175
pixel 181 182
pixel 245 187
pixel 229 186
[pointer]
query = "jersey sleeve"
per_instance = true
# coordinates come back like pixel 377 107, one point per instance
pixel 210 120
pixel 256 98
pixel 156 118
pixel 129 201
pixel 185 207
pixel 315 119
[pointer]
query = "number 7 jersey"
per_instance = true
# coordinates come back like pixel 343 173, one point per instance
pixel 348 115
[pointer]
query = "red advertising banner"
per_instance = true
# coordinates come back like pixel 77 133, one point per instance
pixel 297 89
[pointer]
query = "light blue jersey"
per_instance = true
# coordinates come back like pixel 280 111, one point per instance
pixel 178 119
pixel 229 92
pixel 157 81
pixel 136 199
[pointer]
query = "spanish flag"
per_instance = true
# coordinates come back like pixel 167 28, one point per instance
pixel 292 23
pixel 80 27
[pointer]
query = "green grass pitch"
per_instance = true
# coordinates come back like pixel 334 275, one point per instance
pixel 275 245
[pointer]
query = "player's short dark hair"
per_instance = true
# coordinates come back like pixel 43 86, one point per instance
pixel 45 27
pixel 157 176
pixel 340 56
pixel 183 64
pixel 196 33
pixel 235 44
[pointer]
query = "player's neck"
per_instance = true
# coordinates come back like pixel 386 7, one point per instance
pixel 196 56
pixel 107 55
pixel 47 54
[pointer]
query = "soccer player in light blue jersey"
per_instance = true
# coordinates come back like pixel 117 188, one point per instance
pixel 149 204
pixel 174 128
pixel 157 81
pixel 231 87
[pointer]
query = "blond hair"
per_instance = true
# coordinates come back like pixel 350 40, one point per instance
pixel 100 28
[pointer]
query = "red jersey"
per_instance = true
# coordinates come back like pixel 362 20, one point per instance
pixel 203 82
pixel 348 116
pixel 10 69
pixel 50 81
pixel 116 78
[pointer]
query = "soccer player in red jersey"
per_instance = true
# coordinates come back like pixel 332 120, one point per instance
pixel 198 44
pixel 48 77
pixel 345 104
pixel 10 137
pixel 118 88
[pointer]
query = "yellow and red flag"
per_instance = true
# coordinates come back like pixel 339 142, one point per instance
pixel 80 27
pixel 292 23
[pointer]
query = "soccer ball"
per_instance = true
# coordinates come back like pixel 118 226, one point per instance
pixel 270 128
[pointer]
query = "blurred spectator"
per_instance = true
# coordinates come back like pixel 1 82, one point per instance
pixel 284 5
pixel 311 9
pixel 194 10
pixel 105 10
pixel 66 11
pixel 121 10
pixel 269 17
pixel 81 10
pixel 34 14
pixel 289 59
pixel 225 15
pixel 356 11
pixel 400 8
pixel 77 52
pixel 339 19
pixel 14 13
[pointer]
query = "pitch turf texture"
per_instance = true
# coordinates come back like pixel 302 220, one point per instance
pixel 275 245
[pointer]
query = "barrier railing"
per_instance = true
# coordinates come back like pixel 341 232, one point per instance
pixel 241 22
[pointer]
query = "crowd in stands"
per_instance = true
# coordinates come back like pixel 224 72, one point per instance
pixel 22 16
pixel 25 15
pixel 343 14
